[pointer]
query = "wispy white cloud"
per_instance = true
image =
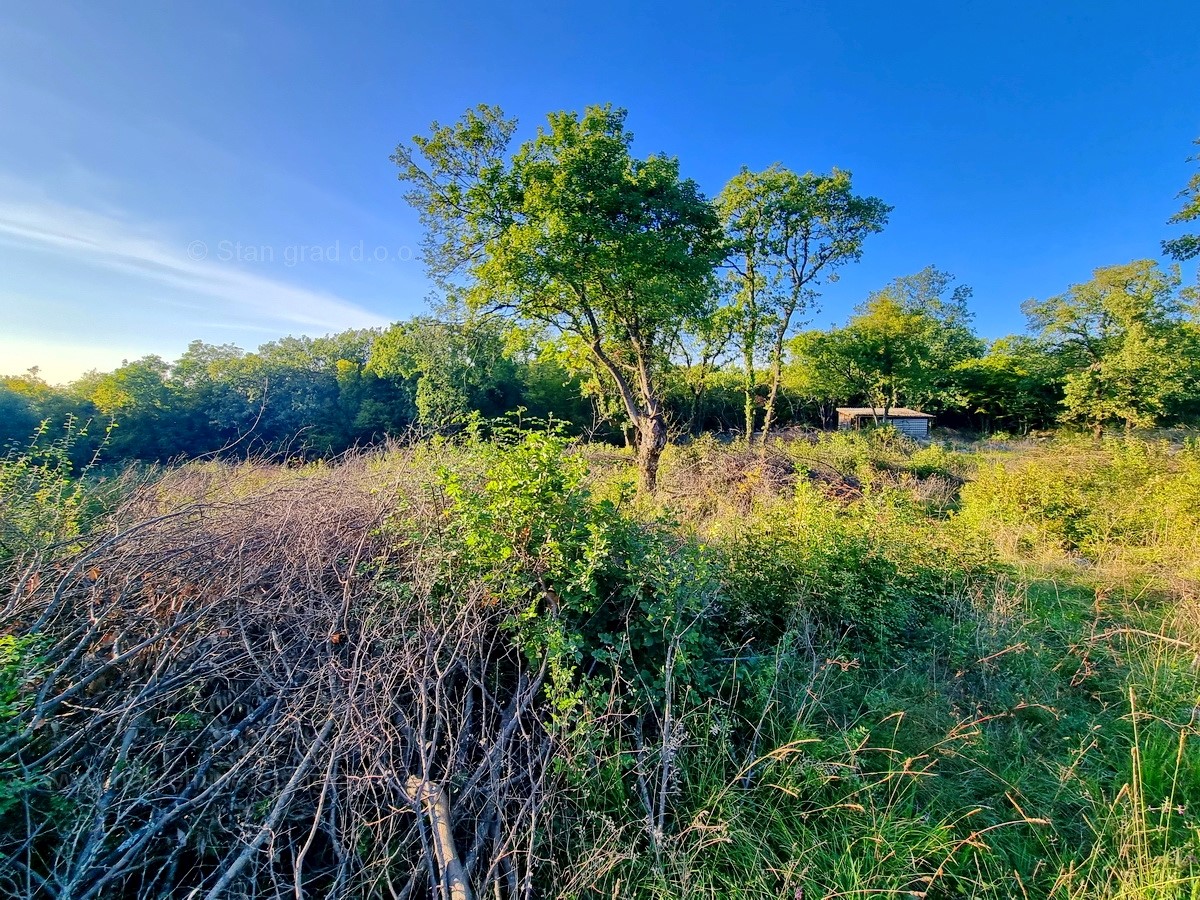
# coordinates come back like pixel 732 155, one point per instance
pixel 222 289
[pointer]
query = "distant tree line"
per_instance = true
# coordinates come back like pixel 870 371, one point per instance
pixel 303 396
pixel 584 284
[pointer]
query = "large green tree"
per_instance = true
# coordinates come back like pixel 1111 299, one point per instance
pixel 459 367
pixel 947 338
pixel 573 232
pixel 139 399
pixel 882 356
pixel 1016 385
pixel 787 232
pixel 900 345
pixel 1120 337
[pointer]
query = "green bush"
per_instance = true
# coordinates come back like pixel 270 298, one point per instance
pixel 876 573
pixel 20 668
pixel 42 498
pixel 937 459
pixel 589 588
pixel 815 685
pixel 1128 501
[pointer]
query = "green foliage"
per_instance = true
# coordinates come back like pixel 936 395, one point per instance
pixel 573 233
pixel 306 397
pixel 944 319
pixel 1131 500
pixel 936 459
pixel 42 501
pixel 900 346
pixel 590 591
pixel 1016 384
pixel 875 574
pixel 881 353
pixel 18 667
pixel 787 232
pixel 806 819
pixel 1120 337
pixel 460 368
pixel 1003 697
pixel 1186 246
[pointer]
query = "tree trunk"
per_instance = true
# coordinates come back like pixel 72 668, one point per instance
pixel 776 374
pixel 773 397
pixel 748 391
pixel 695 421
pixel 646 416
pixel 749 345
pixel 749 384
pixel 653 439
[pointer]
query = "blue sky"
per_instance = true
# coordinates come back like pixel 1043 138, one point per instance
pixel 220 170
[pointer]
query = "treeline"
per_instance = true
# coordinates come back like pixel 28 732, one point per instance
pixel 606 291
pixel 1122 349
pixel 300 396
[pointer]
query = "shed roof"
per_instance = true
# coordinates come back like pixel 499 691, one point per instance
pixel 896 412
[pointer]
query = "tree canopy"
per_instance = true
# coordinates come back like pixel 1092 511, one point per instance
pixel 1186 246
pixel 583 283
pixel 901 346
pixel 1119 336
pixel 573 232
pixel 787 232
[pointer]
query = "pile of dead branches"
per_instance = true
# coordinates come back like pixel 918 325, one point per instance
pixel 266 696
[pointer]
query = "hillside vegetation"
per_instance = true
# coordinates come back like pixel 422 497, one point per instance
pixel 842 665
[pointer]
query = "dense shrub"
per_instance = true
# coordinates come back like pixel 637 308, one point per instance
pixel 1126 501
pixel 876 572
pixel 41 500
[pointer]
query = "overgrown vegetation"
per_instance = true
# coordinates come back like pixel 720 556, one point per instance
pixel 844 666
pixel 316 661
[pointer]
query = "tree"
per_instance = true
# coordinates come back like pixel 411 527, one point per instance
pixel 550 390
pixel 138 398
pixel 1016 384
pixel 572 232
pixel 458 367
pixel 882 355
pixel 700 346
pixel 901 344
pixel 1118 336
pixel 948 339
pixel 198 380
pixel 23 399
pixel 816 376
pixel 786 233
pixel 1186 246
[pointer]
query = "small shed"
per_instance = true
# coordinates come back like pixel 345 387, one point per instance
pixel 906 421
